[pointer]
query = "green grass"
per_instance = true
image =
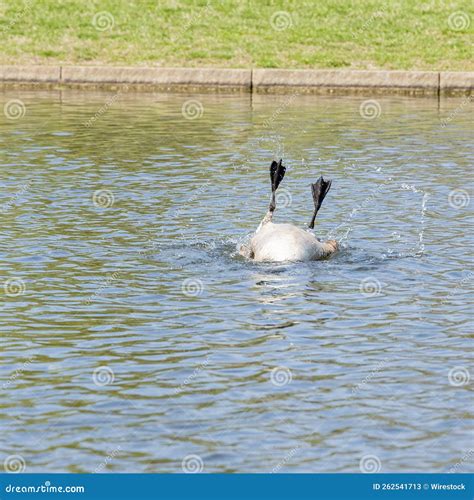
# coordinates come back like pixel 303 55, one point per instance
pixel 359 34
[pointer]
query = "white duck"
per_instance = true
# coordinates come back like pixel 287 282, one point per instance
pixel 286 242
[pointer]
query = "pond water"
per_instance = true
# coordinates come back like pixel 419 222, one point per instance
pixel 136 339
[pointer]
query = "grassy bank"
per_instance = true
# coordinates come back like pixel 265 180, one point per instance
pixel 362 34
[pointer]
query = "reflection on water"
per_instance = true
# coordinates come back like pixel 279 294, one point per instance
pixel 134 335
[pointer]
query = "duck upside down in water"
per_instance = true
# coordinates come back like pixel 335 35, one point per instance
pixel 286 242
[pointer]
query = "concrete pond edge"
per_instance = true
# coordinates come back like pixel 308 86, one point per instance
pixel 274 81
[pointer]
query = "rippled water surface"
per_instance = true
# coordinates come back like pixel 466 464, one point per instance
pixel 133 334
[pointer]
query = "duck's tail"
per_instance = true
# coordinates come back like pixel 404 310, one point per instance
pixel 320 189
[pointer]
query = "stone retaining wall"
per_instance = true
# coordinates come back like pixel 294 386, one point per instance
pixel 430 83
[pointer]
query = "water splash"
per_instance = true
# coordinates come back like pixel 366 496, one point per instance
pixel 366 202
pixel 420 247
